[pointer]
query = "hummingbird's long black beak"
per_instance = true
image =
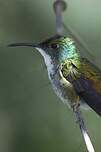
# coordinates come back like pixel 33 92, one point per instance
pixel 24 44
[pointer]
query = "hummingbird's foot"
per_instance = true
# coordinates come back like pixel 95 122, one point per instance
pixel 75 106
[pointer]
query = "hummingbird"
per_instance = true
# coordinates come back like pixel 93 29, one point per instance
pixel 75 80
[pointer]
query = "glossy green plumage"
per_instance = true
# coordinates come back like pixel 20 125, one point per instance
pixel 85 79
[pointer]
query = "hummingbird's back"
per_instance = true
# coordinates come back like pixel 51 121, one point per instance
pixel 86 81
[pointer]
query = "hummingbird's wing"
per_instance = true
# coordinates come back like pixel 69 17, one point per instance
pixel 86 91
pixel 86 80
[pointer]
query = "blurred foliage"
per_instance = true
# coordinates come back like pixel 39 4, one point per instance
pixel 32 117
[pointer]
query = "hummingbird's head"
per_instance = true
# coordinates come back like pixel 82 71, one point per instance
pixel 57 48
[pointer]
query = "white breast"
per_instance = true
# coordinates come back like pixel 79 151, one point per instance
pixel 55 82
pixel 47 60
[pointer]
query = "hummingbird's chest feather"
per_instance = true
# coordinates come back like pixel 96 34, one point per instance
pixel 62 87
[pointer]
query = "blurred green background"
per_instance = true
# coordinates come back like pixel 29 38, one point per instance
pixel 32 117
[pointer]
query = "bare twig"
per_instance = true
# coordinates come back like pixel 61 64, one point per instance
pixel 59 6
pixel 86 138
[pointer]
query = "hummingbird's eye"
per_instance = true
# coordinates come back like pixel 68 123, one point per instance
pixel 55 46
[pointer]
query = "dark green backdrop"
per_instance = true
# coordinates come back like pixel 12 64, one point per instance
pixel 32 118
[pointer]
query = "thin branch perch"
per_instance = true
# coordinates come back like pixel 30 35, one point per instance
pixel 59 6
pixel 86 138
